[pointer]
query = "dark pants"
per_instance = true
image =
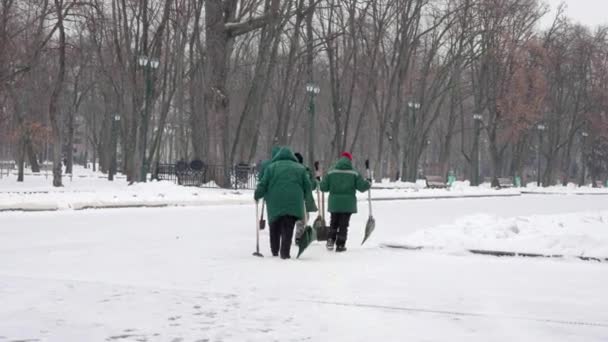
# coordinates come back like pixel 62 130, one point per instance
pixel 281 233
pixel 339 228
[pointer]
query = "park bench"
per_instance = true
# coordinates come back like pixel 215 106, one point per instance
pixel 197 173
pixel 6 167
pixel 503 182
pixel 506 182
pixel 193 174
pixel 243 176
pixel 436 182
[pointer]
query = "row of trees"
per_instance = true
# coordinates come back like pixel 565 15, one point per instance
pixel 436 85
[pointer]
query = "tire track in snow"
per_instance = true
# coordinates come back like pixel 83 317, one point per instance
pixel 460 313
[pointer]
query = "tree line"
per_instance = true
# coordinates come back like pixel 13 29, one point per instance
pixel 477 88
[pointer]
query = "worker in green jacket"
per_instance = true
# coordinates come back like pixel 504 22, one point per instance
pixel 283 185
pixel 342 182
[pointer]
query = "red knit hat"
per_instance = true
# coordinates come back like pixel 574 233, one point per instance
pixel 347 155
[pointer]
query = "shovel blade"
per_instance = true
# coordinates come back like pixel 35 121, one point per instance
pixel 306 238
pixel 321 229
pixel 258 254
pixel 370 226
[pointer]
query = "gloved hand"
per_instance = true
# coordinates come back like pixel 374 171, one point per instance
pixel 300 228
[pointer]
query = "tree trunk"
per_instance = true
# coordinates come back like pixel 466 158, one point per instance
pixel 21 159
pixel 217 101
pixel 31 154
pixel 54 113
pixel 198 114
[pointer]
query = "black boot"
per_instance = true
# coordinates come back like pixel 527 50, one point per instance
pixel 340 249
pixel 330 244
pixel 287 223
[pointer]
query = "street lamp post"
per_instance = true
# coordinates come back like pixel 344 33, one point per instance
pixel 477 119
pixel 541 128
pixel 584 136
pixel 148 63
pixel 113 165
pixel 413 106
pixel 313 90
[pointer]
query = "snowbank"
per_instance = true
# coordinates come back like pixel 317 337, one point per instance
pixel 93 194
pixel 86 189
pixel 570 189
pixel 577 234
pixel 460 189
pixel 387 184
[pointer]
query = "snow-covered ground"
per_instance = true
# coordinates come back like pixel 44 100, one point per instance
pixel 187 274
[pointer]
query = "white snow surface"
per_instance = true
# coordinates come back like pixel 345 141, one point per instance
pixel 571 235
pixel 570 189
pixel 187 274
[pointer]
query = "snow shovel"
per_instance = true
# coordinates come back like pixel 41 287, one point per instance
pixel 371 222
pixel 305 235
pixel 262 221
pixel 257 233
pixel 319 226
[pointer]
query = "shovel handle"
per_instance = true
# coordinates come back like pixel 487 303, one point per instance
pixel 257 229
pixel 369 192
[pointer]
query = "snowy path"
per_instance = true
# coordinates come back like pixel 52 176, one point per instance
pixel 187 274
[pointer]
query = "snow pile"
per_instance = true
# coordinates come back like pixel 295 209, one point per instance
pixel 461 186
pixel 387 184
pixel 576 234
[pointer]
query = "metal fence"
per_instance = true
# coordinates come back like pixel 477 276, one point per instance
pixel 208 176
pixel 6 167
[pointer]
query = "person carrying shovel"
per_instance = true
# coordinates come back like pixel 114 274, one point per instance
pixel 283 185
pixel 342 182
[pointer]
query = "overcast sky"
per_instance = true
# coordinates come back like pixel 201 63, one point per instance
pixel 588 12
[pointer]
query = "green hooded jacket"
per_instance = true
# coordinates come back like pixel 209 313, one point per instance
pixel 342 182
pixel 283 186
pixel 267 162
